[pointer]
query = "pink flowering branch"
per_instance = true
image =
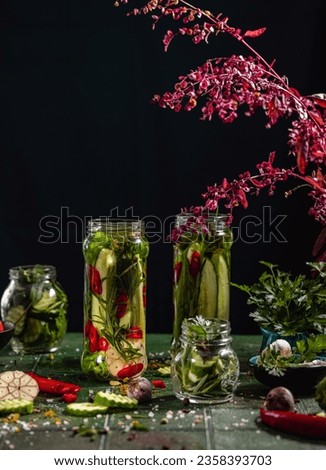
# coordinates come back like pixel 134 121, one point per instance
pixel 223 86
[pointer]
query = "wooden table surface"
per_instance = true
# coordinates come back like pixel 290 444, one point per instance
pixel 169 424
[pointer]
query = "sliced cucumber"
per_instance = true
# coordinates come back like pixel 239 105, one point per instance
pixel 193 377
pixel 33 329
pixel 125 321
pixel 223 283
pixel 16 406
pixel 137 304
pixel 207 299
pixel 85 409
pixel 17 315
pixel 105 262
pixel 164 371
pixel 47 300
pixel 202 369
pixel 113 400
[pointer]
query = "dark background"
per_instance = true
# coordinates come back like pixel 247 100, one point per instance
pixel 77 130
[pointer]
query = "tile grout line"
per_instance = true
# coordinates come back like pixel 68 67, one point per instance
pixel 209 430
pixel 105 437
pixel 38 358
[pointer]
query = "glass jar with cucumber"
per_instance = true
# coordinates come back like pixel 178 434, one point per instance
pixel 36 304
pixel 115 253
pixel 205 369
pixel 201 281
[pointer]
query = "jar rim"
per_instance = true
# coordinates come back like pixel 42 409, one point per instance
pixel 215 223
pixel 206 329
pixel 30 272
pixel 115 224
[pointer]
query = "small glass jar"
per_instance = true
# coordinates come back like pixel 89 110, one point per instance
pixel 205 369
pixel 202 258
pixel 115 252
pixel 36 303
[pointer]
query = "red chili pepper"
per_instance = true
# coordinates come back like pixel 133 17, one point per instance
pixel 2 327
pixel 159 383
pixel 177 271
pixel 194 267
pixel 93 339
pixel 134 332
pixel 87 327
pixel 103 344
pixel 55 387
pixel 130 371
pixel 69 397
pixel 122 304
pixel 94 280
pixel 296 423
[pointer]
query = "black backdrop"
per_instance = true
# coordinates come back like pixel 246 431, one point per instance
pixel 78 132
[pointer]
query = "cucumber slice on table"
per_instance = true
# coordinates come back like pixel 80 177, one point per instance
pixel 16 406
pixel 85 409
pixel 113 400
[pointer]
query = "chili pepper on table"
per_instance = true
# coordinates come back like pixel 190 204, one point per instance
pixel 69 397
pixel 159 383
pixel 55 387
pixel 296 423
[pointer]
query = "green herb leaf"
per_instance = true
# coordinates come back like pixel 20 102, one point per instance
pixel 288 305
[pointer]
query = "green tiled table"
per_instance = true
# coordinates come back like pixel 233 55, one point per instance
pixel 170 425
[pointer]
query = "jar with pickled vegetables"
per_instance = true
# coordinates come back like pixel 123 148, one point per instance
pixel 201 281
pixel 205 369
pixel 115 253
pixel 37 305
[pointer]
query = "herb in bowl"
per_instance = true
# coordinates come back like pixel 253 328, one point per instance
pixel 304 354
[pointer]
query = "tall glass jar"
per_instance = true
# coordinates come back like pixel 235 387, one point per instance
pixel 115 253
pixel 201 281
pixel 36 303
pixel 205 369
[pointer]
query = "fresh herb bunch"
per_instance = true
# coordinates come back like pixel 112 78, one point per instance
pixel 287 305
pixel 304 352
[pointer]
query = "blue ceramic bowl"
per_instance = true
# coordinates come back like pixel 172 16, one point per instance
pixel 269 337
pixel 297 379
